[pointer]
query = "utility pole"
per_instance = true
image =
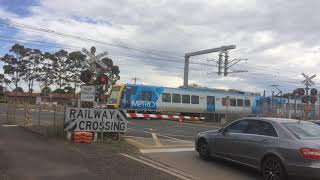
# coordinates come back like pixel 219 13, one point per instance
pixel 188 55
pixel 220 64
pixel 226 63
pixel 135 80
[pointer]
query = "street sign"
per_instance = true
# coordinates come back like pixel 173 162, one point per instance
pixel 95 120
pixel 99 56
pixel 308 80
pixel 88 93
pixel 96 58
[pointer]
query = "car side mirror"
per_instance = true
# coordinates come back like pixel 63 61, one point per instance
pixel 221 130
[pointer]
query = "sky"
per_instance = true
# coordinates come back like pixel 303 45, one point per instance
pixel 148 38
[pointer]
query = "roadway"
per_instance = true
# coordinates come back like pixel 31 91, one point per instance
pixel 174 148
pixel 183 157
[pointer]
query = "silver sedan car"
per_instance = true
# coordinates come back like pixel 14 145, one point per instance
pixel 278 148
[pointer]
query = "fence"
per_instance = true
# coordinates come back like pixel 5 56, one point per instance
pixel 44 119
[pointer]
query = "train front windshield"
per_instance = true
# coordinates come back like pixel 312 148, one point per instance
pixel 114 95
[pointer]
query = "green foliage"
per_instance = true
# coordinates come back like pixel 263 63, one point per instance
pixel 59 91
pixel 60 69
pixel 46 89
pixel 69 90
pixel 18 89
pixel 14 65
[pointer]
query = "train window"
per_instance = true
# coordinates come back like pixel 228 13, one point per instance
pixel 176 98
pixel 146 96
pixel 194 99
pixel 247 103
pixel 186 99
pixel 240 102
pixel 224 102
pixel 233 102
pixel 166 97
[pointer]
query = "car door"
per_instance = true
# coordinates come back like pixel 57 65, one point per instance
pixel 227 142
pixel 255 141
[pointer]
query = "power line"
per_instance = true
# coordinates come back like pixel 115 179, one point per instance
pixel 25 26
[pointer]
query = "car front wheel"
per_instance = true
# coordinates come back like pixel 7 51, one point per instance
pixel 272 169
pixel 203 148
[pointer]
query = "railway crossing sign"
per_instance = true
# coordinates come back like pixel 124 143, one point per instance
pixel 95 120
pixel 308 80
pixel 97 58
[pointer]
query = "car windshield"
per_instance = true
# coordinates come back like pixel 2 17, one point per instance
pixel 304 130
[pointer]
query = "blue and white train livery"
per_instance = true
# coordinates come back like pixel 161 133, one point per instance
pixel 138 98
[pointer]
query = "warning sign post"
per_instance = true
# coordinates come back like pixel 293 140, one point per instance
pixel 95 120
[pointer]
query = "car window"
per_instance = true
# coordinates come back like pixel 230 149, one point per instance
pixel 304 130
pixel 237 127
pixel 261 128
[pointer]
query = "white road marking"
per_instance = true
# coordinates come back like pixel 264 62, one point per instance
pixel 185 141
pixel 138 137
pixel 177 135
pixel 156 139
pixel 9 125
pixel 162 150
pixel 161 168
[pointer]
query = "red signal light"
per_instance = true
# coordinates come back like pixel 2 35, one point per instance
pixel 313 99
pixel 301 91
pixel 305 99
pixel 104 79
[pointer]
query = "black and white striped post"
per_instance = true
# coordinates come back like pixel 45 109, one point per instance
pixel 28 118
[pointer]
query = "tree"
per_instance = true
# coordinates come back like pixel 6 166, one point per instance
pixel 15 66
pixel 45 73
pixel 69 90
pixel 61 68
pixel 18 89
pixel 76 66
pixel 59 91
pixel 46 89
pixel 32 62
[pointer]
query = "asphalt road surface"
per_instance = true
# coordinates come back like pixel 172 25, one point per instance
pixel 183 159
pixel 164 128
pixel 213 169
pixel 186 159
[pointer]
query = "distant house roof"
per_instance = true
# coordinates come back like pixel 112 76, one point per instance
pixel 53 95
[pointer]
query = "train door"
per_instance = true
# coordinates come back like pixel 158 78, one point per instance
pixel 211 103
pixel 127 97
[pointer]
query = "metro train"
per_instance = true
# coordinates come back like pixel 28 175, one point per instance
pixel 183 101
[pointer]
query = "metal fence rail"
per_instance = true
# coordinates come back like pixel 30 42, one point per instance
pixel 47 120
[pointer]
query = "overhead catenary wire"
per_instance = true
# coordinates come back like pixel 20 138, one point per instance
pixel 48 31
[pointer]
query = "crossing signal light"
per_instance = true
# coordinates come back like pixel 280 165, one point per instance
pixel 313 92
pixel 313 99
pixel 104 80
pixel 115 70
pixel 305 99
pixel 300 91
pixel 86 76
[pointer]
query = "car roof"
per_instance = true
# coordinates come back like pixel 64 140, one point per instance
pixel 278 120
